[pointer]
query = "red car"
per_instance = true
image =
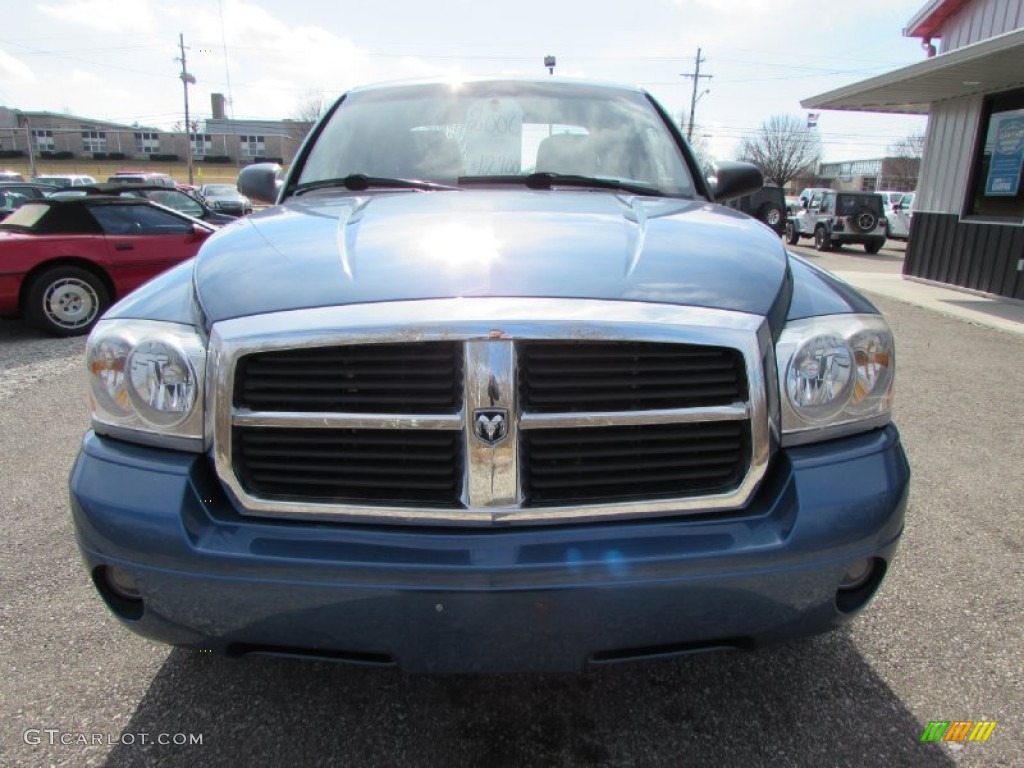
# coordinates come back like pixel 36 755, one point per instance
pixel 63 262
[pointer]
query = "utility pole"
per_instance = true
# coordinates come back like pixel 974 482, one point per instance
pixel 696 76
pixel 186 78
pixel 31 150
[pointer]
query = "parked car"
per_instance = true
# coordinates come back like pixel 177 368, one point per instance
pixel 896 227
pixel 30 189
pixel 902 213
pixel 225 198
pixel 768 204
pixel 810 197
pixel 9 201
pixel 841 218
pixel 62 262
pixel 64 179
pixel 172 198
pixel 495 386
pixel 14 193
pixel 142 177
pixel 6 175
pixel 906 206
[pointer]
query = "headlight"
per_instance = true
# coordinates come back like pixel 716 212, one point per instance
pixel 836 376
pixel 146 382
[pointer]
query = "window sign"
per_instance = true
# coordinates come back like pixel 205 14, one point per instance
pixel 494 137
pixel 1007 157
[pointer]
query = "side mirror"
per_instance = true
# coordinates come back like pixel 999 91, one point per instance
pixel 736 180
pixel 260 182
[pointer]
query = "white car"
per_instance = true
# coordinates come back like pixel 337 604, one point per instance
pixel 897 223
pixel 65 179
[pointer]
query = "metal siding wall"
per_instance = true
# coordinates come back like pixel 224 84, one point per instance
pixel 949 149
pixel 982 257
pixel 981 20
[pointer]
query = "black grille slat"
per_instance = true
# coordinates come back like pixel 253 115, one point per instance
pixel 574 376
pixel 624 463
pixel 547 454
pixel 613 401
pixel 422 378
pixel 351 466
pixel 609 435
pixel 594 466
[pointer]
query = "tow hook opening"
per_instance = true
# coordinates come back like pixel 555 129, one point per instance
pixel 119 591
pixel 859 583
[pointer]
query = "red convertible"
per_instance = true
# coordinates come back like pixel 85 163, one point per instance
pixel 63 262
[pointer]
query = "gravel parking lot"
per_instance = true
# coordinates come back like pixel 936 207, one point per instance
pixel 941 642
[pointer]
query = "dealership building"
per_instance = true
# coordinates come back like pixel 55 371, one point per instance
pixel 968 222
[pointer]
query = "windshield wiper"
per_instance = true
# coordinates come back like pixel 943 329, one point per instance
pixel 357 182
pixel 549 180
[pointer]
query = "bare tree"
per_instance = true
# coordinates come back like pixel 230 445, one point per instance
pixel 310 108
pixel 783 149
pixel 903 162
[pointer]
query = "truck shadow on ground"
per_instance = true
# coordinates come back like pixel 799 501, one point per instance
pixel 812 703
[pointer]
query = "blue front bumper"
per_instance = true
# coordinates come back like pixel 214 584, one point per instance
pixel 514 599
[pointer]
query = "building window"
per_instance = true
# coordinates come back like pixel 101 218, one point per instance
pixel 43 140
pixel 996 190
pixel 202 144
pixel 252 146
pixel 94 141
pixel 147 143
pixel 868 183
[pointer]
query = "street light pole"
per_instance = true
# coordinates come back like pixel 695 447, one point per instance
pixel 186 78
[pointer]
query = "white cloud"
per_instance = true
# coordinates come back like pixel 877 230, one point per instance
pixel 14 70
pixel 110 16
pixel 86 79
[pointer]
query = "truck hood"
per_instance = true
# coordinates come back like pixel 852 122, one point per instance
pixel 334 249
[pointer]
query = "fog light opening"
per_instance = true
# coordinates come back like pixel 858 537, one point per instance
pixel 857 574
pixel 859 583
pixel 123 583
pixel 119 591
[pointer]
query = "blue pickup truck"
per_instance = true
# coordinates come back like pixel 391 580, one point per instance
pixel 496 385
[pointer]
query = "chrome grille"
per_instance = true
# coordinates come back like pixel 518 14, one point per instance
pixel 611 410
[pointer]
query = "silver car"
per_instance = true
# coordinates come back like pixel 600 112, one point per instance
pixel 225 198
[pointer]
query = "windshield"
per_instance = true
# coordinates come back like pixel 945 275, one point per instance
pixel 443 133
pixel 25 217
pixel 219 189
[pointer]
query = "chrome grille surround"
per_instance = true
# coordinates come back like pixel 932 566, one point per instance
pixel 491 493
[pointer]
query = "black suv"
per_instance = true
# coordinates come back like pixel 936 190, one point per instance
pixel 841 218
pixel 166 196
pixel 768 204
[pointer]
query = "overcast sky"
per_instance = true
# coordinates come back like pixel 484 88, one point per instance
pixel 115 59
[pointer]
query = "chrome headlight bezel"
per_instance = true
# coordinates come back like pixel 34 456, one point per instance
pixel 116 354
pixel 858 353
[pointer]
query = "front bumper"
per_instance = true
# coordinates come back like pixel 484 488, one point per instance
pixel 510 599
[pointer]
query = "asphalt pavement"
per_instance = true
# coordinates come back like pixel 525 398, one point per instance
pixel 941 642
